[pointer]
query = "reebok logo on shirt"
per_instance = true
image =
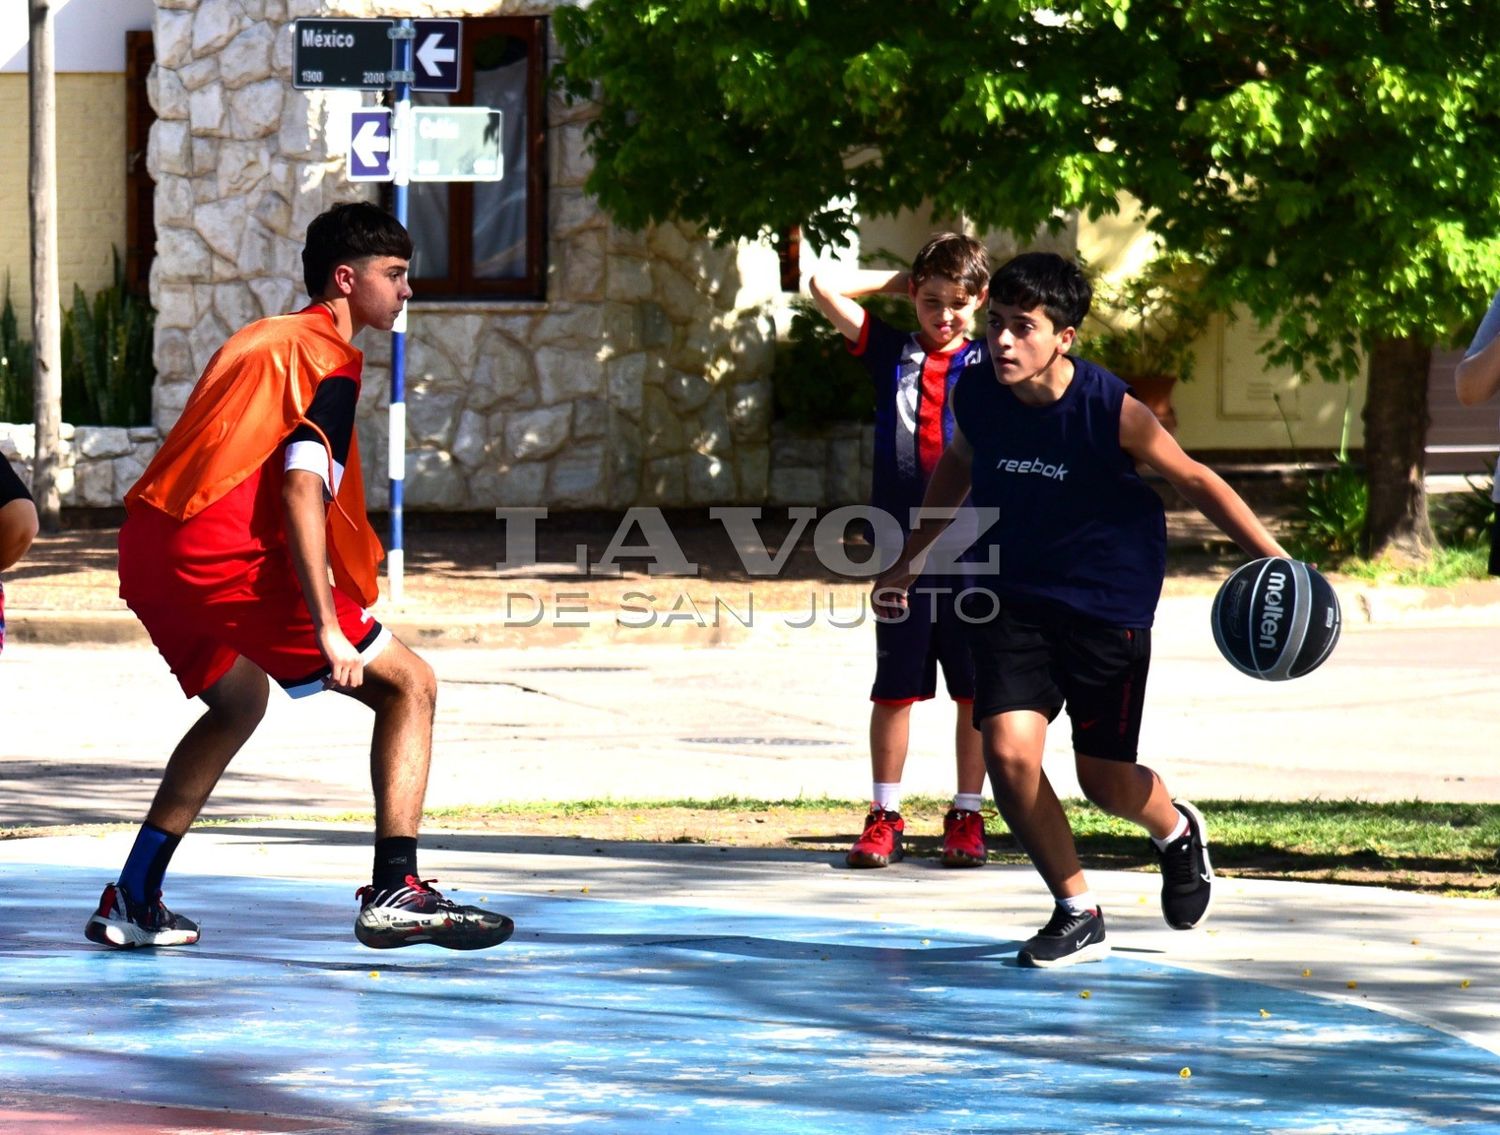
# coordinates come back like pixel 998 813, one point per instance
pixel 1034 466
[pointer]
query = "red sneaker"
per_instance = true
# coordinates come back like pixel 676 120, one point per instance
pixel 880 845
pixel 963 839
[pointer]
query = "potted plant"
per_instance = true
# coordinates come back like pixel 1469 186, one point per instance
pixel 1143 328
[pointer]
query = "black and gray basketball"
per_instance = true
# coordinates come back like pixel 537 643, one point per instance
pixel 1276 619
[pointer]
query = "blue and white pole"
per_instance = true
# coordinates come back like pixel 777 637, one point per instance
pixel 395 562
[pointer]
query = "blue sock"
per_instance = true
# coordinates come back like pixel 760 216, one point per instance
pixel 147 863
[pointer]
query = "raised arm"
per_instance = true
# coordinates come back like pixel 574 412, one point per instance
pixel 1143 437
pixel 834 291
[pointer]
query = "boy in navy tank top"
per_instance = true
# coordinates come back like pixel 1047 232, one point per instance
pixel 1052 443
pixel 913 374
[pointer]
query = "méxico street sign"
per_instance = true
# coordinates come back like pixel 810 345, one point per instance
pixel 342 53
pixel 456 143
pixel 370 144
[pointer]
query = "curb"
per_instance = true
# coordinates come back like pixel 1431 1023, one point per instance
pixel 1469 604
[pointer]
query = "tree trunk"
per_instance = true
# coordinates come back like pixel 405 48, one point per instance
pixel 46 305
pixel 1396 421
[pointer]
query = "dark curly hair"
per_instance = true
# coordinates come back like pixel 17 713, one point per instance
pixel 1045 280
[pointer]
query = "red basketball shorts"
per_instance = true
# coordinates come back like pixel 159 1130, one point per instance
pixel 201 631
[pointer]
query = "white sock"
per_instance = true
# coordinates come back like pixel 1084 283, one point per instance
pixel 887 797
pixel 1177 833
pixel 1079 904
pixel 968 801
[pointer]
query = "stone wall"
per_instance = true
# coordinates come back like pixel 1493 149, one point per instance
pixel 96 464
pixel 643 378
pixel 831 467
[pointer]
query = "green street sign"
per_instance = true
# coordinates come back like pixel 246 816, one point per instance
pixel 456 143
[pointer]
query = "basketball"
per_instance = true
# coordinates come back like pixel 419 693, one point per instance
pixel 1276 619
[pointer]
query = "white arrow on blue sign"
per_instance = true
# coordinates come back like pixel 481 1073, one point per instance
pixel 370 144
pixel 436 50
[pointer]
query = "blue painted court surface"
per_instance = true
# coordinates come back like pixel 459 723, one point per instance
pixel 631 1018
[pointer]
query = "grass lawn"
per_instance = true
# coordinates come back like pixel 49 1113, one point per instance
pixel 1437 848
pixel 1445 849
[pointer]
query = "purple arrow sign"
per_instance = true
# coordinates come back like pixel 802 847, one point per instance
pixel 370 144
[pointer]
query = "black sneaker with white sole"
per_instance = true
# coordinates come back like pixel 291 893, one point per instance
pixel 1187 876
pixel 1066 940
pixel 125 924
pixel 415 913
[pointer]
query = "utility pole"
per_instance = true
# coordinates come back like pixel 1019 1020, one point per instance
pixel 46 309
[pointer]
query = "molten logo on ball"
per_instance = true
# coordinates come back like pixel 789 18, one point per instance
pixel 1275 619
pixel 1270 620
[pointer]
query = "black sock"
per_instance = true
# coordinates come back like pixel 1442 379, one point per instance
pixel 395 859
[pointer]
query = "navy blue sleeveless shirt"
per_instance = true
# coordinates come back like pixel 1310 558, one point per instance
pixel 1077 527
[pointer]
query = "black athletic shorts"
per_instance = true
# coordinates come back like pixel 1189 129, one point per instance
pixel 908 652
pixel 1040 657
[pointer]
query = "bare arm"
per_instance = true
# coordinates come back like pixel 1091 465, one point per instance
pixel 307 541
pixel 946 490
pixel 18 527
pixel 1478 376
pixel 833 290
pixel 1143 437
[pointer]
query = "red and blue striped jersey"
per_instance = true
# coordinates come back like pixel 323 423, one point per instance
pixel 913 419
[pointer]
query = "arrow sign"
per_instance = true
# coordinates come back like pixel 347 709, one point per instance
pixel 438 49
pixel 432 54
pixel 370 145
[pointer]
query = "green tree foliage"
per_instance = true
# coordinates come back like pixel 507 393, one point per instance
pixel 1333 165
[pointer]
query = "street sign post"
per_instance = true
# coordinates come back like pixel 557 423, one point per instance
pixel 456 143
pixel 438 48
pixel 353 54
pixel 370 144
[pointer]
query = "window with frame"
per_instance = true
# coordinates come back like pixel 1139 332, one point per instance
pixel 481 240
